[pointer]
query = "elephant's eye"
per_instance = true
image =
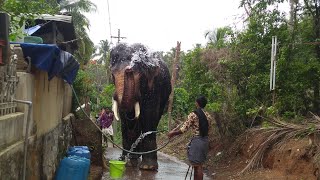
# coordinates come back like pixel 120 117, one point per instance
pixel 114 59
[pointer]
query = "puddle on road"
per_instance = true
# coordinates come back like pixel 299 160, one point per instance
pixel 169 168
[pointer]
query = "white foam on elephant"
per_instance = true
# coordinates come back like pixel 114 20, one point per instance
pixel 147 58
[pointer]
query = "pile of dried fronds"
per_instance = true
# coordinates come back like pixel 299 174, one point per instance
pixel 280 132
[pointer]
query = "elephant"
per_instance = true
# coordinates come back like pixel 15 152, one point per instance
pixel 142 88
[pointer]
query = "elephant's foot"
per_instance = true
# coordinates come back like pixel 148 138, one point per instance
pixel 133 162
pixel 122 158
pixel 149 164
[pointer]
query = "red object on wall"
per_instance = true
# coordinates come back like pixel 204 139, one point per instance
pixel 2 44
pixel 4 38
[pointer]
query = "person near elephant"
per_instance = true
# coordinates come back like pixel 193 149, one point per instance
pixel 106 119
pixel 142 88
pixel 199 121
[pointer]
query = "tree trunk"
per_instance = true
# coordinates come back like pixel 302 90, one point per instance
pixel 316 97
pixel 291 19
pixel 316 101
pixel 292 27
pixel 173 81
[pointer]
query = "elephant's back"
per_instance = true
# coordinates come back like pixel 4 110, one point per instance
pixel 164 75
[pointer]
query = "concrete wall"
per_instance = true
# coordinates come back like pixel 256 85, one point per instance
pixel 48 102
pixel 67 100
pixel 11 161
pixel 25 90
pixel 43 157
pixel 11 129
pixel 50 131
pixel 52 100
pixel 47 151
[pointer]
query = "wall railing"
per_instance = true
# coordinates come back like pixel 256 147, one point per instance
pixel 8 85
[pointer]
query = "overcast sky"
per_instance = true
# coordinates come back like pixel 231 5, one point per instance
pixel 159 24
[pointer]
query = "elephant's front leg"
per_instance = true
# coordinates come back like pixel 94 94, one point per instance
pixel 129 136
pixel 149 161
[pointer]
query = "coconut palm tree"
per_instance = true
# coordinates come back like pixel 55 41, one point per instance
pixel 218 37
pixel 103 52
pixel 103 49
pixel 81 24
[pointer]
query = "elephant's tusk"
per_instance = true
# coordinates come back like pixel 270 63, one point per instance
pixel 115 109
pixel 137 110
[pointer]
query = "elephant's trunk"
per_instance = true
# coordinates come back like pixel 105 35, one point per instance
pixel 128 99
pixel 127 93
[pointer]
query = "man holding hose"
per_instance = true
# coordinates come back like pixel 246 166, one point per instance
pixel 198 121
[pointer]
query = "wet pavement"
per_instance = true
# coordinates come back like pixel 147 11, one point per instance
pixel 170 168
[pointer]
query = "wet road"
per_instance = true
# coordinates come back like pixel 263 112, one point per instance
pixel 170 168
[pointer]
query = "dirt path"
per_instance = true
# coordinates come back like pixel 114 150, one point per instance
pixel 170 168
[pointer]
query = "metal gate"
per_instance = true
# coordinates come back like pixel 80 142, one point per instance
pixel 8 85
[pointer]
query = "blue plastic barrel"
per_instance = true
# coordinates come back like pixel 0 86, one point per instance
pixel 82 151
pixel 79 147
pixel 73 168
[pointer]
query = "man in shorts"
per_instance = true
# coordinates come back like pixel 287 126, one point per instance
pixel 198 121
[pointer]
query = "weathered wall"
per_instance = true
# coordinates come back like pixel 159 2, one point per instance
pixel 47 102
pixel 51 100
pixel 11 129
pixel 46 152
pixel 25 91
pixel 67 100
pixel 86 134
pixel 11 161
pixel 50 133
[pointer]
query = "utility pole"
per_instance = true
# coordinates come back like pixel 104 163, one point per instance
pixel 273 67
pixel 118 37
pixel 173 81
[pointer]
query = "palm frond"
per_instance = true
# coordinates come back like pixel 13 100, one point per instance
pixel 81 24
pixel 80 6
pixel 281 132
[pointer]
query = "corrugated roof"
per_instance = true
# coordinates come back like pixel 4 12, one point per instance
pixel 60 18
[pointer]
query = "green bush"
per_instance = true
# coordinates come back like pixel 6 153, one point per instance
pixel 163 124
pixel 180 103
pixel 83 88
pixel 106 95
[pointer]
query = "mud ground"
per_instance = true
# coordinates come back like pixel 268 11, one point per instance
pixel 294 160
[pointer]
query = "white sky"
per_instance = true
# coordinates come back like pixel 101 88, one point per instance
pixel 159 24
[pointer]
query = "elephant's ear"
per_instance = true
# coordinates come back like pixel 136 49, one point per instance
pixel 151 76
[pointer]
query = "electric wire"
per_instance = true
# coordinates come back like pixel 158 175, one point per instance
pixel 109 21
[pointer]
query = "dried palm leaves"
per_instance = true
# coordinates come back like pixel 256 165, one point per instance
pixel 279 133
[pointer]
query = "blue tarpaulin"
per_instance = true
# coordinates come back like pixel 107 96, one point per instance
pixel 53 60
pixel 32 30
